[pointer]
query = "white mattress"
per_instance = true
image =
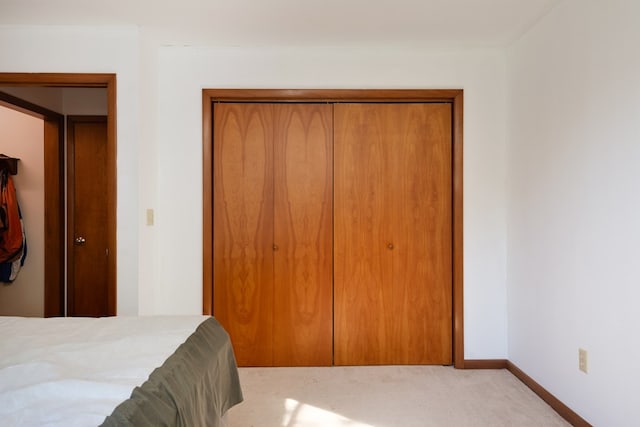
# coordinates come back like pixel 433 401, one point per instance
pixel 75 371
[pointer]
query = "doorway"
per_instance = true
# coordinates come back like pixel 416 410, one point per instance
pixel 55 221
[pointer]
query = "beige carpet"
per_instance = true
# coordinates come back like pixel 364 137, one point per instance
pixel 387 396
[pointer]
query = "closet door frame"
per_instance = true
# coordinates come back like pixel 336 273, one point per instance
pixel 452 96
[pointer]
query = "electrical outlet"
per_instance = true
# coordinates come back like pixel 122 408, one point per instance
pixel 582 360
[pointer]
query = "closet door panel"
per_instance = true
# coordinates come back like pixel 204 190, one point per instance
pixel 393 234
pixel 419 182
pixel 303 229
pixel 362 268
pixel 243 228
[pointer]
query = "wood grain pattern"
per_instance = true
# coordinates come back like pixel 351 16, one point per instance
pixel 303 209
pixel 272 231
pixel 243 229
pixel 452 96
pixel 392 272
pixel 361 264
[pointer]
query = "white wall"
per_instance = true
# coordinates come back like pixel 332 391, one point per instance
pixel 574 206
pixel 183 72
pixel 94 50
pixel 22 136
pixel 160 148
pixel 148 278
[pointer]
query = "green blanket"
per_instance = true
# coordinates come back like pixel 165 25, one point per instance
pixel 194 387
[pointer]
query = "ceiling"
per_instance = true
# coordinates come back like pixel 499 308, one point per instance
pixel 348 23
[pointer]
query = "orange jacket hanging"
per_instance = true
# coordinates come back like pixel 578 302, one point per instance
pixel 10 227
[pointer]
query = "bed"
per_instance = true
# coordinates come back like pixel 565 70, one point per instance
pixel 116 371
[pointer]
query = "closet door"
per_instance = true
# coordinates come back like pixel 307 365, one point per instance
pixel 392 219
pixel 273 231
pixel 243 228
pixel 303 176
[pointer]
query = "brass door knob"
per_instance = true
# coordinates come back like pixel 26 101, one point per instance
pixel 80 240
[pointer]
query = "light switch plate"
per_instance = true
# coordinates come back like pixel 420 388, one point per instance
pixel 582 360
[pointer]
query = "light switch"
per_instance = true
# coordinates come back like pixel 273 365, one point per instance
pixel 149 216
pixel 582 360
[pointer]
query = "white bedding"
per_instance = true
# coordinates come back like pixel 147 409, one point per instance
pixel 75 371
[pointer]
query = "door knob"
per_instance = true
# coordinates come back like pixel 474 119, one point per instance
pixel 390 246
pixel 275 247
pixel 80 240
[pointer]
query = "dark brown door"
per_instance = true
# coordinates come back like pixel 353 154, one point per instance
pixel 272 231
pixel 88 254
pixel 393 263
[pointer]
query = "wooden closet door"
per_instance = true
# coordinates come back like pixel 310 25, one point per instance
pixel 243 228
pixel 303 231
pixel 273 231
pixel 392 244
